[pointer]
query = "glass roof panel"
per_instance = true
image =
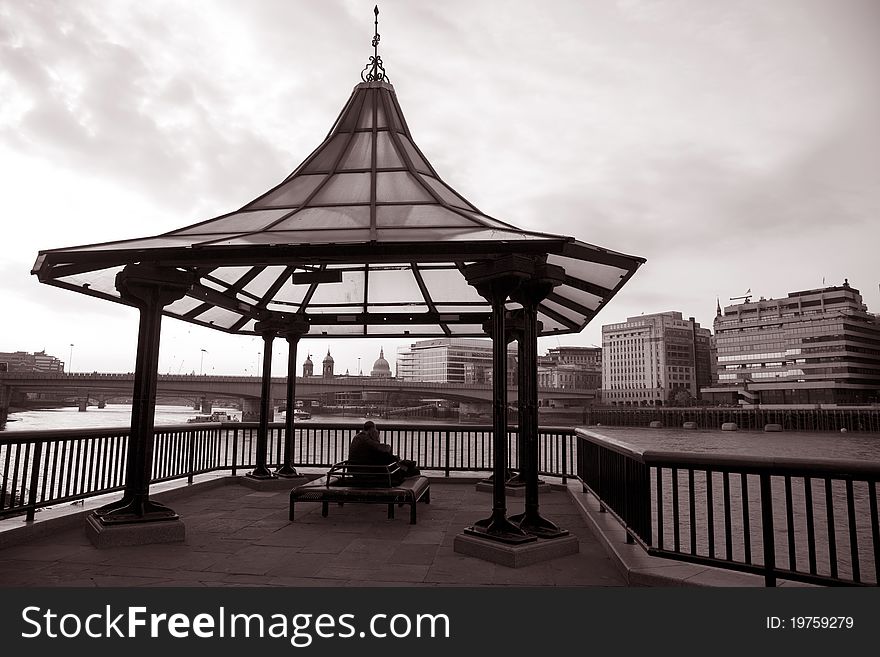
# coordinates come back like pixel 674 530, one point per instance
pixel 323 160
pixel 408 308
pixel 334 309
pixel 551 325
pixel 470 329
pixel 607 276
pixel 167 241
pixel 238 222
pixel 229 274
pixel 399 186
pixel 263 281
pixel 389 286
pixel 318 330
pixel 386 152
pixel 291 194
pixel 100 280
pixel 366 120
pixel 396 123
pixel 451 234
pixel 348 120
pixel 357 216
pixel 394 216
pixel 458 308
pixel 568 313
pixel 344 236
pixel 183 306
pixel 571 293
pixel 358 154
pixel 449 285
pixel 290 293
pixel 418 163
pixel 219 317
pixel 403 329
pixel 487 221
pixel 349 291
pixel 344 188
pixel 249 326
pixel 446 193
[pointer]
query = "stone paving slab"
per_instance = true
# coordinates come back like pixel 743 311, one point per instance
pixel 236 536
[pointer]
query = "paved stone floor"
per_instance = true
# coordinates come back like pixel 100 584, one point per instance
pixel 237 536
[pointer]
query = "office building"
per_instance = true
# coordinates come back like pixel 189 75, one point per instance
pixel 571 367
pixel 818 346
pixel 451 360
pixel 22 361
pixel 654 360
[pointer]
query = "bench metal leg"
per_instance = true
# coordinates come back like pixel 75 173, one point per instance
pixel 325 508
pixel 290 516
pixel 412 512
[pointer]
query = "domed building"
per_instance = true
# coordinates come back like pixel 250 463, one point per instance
pixel 381 368
pixel 308 366
pixel 328 365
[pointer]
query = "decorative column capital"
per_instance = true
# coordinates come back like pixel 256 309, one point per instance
pixel 143 285
pixel 532 291
pixel 496 279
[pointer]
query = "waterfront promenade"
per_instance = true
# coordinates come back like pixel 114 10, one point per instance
pixel 237 536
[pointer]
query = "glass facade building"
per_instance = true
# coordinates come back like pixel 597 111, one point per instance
pixel 817 346
pixel 449 360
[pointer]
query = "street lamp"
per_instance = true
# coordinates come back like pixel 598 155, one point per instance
pixel 70 360
pixel 202 362
pixel 359 366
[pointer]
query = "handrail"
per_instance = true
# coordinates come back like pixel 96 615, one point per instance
pixel 724 506
pixel 47 467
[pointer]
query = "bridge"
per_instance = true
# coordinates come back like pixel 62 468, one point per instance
pixel 84 387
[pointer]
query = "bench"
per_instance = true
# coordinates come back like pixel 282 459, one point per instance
pixel 365 484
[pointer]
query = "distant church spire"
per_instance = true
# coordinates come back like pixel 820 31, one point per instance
pixel 717 307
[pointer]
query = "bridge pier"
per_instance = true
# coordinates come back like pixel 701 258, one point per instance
pixel 207 405
pixel 250 409
pixel 82 404
pixel 5 396
pixel 102 403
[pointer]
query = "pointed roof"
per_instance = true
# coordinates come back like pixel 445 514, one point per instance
pixel 363 238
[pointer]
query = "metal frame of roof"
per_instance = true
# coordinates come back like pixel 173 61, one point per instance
pixel 363 239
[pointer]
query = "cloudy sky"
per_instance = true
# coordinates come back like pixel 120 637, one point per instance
pixel 734 145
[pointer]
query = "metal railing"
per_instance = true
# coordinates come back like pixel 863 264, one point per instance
pixel 45 468
pixel 791 418
pixel 793 519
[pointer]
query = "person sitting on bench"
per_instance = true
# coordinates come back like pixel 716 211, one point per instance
pixel 367 449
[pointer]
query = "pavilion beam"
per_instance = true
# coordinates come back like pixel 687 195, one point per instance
pixel 149 288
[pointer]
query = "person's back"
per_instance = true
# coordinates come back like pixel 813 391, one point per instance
pixel 366 449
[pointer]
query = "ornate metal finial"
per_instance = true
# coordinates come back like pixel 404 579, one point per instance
pixel 374 71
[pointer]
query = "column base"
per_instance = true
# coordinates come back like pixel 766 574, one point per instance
pixel 536 525
pixel 146 532
pixel 271 483
pixel 514 556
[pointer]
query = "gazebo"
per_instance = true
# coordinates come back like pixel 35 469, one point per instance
pixel 364 239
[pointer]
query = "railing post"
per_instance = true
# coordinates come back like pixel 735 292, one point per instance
pixel 191 457
pixel 35 473
pixel 234 450
pixel 564 458
pixel 767 531
pixel 447 454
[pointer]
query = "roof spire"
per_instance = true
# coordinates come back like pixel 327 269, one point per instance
pixel 375 71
